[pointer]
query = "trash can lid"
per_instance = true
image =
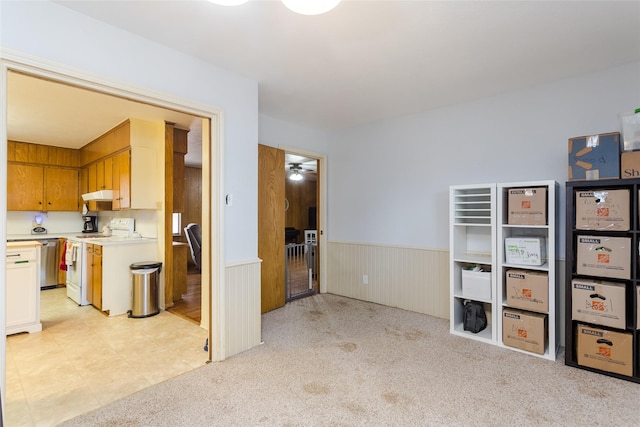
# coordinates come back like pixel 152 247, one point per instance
pixel 143 265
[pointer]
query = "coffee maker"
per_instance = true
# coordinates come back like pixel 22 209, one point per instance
pixel 90 224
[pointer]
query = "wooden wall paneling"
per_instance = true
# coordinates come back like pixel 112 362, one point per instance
pixel 271 224
pixel 301 196
pixel 193 200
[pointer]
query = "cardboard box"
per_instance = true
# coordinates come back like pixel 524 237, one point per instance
pixel 604 256
pixel 525 250
pixel 605 350
pixel 630 165
pixel 527 206
pixel 601 303
pixel 524 330
pixel 594 157
pixel 476 284
pixel 528 290
pixel 603 210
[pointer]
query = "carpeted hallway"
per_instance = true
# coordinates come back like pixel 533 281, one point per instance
pixel 333 361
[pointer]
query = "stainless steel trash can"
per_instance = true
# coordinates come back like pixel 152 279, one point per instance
pixel 145 277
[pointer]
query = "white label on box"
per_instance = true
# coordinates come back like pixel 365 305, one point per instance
pixel 525 250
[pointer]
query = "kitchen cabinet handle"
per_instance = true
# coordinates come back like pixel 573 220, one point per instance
pixel 8 255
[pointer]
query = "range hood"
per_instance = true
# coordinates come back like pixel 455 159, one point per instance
pixel 102 195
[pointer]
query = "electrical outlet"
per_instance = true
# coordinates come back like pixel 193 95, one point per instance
pixel 365 279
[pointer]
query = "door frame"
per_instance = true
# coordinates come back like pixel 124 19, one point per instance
pixel 213 174
pixel 322 212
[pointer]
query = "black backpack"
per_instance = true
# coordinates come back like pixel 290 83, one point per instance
pixel 475 319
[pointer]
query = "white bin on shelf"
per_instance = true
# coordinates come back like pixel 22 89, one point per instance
pixel 476 284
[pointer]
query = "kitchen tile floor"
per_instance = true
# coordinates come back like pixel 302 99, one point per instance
pixel 83 359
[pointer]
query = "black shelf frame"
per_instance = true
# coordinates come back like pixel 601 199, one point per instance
pixel 631 321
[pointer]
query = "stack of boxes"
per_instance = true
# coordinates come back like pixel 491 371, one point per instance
pixel 524 321
pixel 600 305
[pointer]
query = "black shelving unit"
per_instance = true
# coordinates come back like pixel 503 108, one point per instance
pixel 631 306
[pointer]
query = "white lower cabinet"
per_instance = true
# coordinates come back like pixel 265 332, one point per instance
pixel 23 287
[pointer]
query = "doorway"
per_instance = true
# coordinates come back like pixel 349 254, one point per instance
pixel 288 213
pixel 210 141
pixel 301 226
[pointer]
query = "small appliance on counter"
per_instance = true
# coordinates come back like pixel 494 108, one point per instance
pixel 37 226
pixel 90 224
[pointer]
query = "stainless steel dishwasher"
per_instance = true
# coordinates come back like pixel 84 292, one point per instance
pixel 49 263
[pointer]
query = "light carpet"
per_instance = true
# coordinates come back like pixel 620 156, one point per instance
pixel 334 361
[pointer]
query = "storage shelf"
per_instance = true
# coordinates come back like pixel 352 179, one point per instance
pixel 477 237
pixel 574 191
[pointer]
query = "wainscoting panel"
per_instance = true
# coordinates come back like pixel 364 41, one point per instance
pixel 409 278
pixel 243 313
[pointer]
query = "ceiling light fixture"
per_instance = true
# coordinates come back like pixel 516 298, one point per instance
pixel 295 169
pixel 303 7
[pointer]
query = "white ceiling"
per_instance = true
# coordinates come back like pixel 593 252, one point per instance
pixel 370 60
pixel 363 61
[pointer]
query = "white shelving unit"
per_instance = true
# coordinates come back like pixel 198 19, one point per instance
pixel 472 240
pixel 478 227
pixel 549 233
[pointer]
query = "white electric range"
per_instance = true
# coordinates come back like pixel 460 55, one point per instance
pixel 122 229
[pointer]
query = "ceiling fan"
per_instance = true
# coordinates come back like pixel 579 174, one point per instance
pixel 299 170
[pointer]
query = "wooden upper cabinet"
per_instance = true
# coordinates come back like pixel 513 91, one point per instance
pixel 42 188
pixel 25 187
pixel 121 181
pixel 62 187
pixel 92 174
pixel 108 173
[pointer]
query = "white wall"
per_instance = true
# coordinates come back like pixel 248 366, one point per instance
pixel 53 32
pixel 279 133
pixel 388 181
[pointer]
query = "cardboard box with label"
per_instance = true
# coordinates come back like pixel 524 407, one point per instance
pixel 524 330
pixel 476 284
pixel 594 157
pixel 527 206
pixel 603 210
pixel 605 350
pixel 604 256
pixel 528 290
pixel 630 165
pixel 525 250
pixel 601 303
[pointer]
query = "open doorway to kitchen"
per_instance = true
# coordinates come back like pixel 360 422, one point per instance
pixel 111 341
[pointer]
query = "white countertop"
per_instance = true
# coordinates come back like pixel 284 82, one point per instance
pixel 23 243
pixel 103 241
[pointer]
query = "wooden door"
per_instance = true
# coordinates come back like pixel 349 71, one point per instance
pixel 271 215
pixel 62 189
pixel 25 187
